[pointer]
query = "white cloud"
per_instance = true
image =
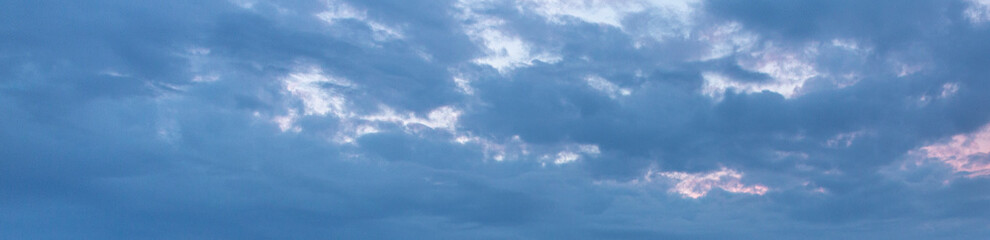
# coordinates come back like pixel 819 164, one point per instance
pixel 318 94
pixel 503 51
pixel 316 91
pixel 589 149
pixel 676 14
pixel 606 87
pixel 287 122
pixel 726 39
pixel 566 157
pixel 593 11
pixel 574 152
pixel 514 148
pixel 464 85
pixel 444 118
pixel 847 44
pixel 788 71
pixel 949 89
pixel 696 185
pixel 337 10
pixel 978 11
pixel 321 96
pixel 716 85
pixel 506 52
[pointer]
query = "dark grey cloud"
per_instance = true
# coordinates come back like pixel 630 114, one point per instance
pixel 490 120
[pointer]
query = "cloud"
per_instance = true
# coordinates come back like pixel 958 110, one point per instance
pixel 503 51
pixel 498 119
pixel 699 184
pixel 606 87
pixel 338 11
pixel 965 153
pixel 978 11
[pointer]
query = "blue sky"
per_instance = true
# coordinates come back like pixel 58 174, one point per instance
pixel 494 119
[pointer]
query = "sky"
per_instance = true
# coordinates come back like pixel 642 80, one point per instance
pixel 494 119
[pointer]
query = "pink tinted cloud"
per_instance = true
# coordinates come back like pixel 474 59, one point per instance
pixel 696 185
pixel 965 153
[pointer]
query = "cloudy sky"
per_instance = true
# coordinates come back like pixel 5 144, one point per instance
pixel 494 119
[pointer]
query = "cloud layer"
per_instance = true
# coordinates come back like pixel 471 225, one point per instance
pixel 495 119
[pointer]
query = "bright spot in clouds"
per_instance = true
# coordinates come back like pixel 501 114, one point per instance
pixel 502 50
pixel 978 11
pixel 606 87
pixel 317 92
pixel 696 185
pixel 566 157
pixel 342 11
